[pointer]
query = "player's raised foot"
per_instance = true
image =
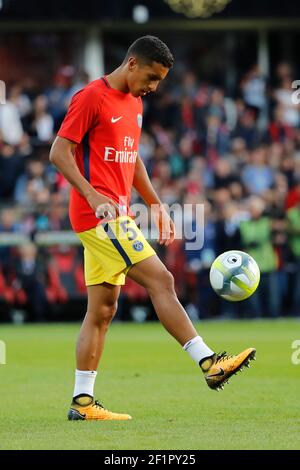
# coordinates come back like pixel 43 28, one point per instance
pixel 224 366
pixel 86 408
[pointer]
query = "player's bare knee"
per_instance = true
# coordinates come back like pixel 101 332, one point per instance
pixel 168 280
pixel 104 315
pixel 107 313
pixel 164 281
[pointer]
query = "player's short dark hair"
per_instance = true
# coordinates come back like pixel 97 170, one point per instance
pixel 151 49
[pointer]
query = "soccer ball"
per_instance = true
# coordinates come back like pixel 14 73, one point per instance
pixel 234 275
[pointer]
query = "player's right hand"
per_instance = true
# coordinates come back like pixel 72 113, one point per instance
pixel 104 207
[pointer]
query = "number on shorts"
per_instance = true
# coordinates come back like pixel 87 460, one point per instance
pixel 131 233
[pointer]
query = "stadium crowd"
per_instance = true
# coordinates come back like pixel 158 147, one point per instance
pixel 237 154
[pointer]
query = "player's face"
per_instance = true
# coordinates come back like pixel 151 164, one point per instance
pixel 144 78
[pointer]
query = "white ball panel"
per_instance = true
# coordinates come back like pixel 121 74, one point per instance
pixel 244 279
pixel 235 289
pixel 216 279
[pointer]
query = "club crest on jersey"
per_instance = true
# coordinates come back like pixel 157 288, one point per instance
pixel 139 118
pixel 138 246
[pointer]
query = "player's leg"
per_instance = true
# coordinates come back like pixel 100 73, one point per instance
pixel 102 306
pixel 159 282
pixel 153 275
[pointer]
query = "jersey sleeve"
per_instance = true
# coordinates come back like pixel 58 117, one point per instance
pixel 82 115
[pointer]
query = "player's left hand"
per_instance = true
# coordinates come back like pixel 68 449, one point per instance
pixel 165 225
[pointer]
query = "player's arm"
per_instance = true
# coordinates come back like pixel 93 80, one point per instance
pixel 143 185
pixel 82 115
pixel 62 156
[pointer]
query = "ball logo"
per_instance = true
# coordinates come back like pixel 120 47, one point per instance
pixel 139 118
pixel 232 261
pixel 138 246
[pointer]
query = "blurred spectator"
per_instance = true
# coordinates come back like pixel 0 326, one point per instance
pixel 228 228
pixel 33 279
pixel 224 174
pixel 31 183
pixel 80 80
pixel 21 101
pixel 293 216
pixel 290 111
pixel 58 216
pixel 257 176
pixel 216 105
pixel 239 152
pixel 246 128
pixel 11 129
pixel 293 197
pixel 146 147
pixel 199 259
pixel 216 139
pixel 11 167
pixel 256 239
pixel 283 71
pixel 58 94
pixel 8 224
pixel 279 130
pixel 43 124
pixel 254 89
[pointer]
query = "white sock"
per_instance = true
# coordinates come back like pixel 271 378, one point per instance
pixel 197 349
pixel 84 382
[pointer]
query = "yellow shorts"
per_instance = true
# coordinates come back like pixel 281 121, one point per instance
pixel 110 249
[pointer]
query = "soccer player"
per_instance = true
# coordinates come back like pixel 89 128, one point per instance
pixel 97 151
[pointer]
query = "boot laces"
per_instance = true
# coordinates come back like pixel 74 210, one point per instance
pixel 97 404
pixel 223 357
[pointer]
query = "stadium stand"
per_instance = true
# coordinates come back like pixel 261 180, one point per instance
pixel 200 143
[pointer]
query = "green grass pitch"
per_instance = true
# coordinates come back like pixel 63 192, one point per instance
pixel 145 373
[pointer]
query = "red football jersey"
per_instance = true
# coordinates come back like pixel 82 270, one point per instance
pixel 106 125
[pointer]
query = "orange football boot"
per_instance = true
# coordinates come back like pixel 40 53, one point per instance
pixel 224 366
pixel 85 408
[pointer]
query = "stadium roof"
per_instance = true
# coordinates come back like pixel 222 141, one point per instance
pixel 120 9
